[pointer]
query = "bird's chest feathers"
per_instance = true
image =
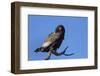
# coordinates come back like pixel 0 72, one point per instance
pixel 52 38
pixel 46 44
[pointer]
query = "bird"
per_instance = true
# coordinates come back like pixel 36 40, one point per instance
pixel 53 42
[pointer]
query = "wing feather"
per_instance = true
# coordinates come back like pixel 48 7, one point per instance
pixel 51 39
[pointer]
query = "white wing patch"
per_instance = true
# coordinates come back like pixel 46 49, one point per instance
pixel 46 44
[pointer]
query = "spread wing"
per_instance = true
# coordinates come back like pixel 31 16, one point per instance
pixel 51 39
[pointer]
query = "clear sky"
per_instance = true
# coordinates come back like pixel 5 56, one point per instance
pixel 76 32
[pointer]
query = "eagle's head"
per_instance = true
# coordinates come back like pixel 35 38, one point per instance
pixel 60 29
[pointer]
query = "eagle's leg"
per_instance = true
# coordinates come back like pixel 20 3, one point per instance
pixel 49 55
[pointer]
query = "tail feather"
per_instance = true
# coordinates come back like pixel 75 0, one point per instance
pixel 37 50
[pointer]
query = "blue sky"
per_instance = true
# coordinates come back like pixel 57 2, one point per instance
pixel 39 27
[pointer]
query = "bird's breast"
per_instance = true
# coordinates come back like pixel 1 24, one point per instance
pixel 46 44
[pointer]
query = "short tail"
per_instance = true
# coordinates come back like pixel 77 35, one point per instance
pixel 37 50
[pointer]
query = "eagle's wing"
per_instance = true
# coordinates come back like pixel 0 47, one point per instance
pixel 51 39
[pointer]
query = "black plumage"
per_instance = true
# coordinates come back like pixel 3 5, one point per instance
pixel 53 42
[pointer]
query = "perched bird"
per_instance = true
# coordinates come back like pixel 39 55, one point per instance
pixel 53 42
